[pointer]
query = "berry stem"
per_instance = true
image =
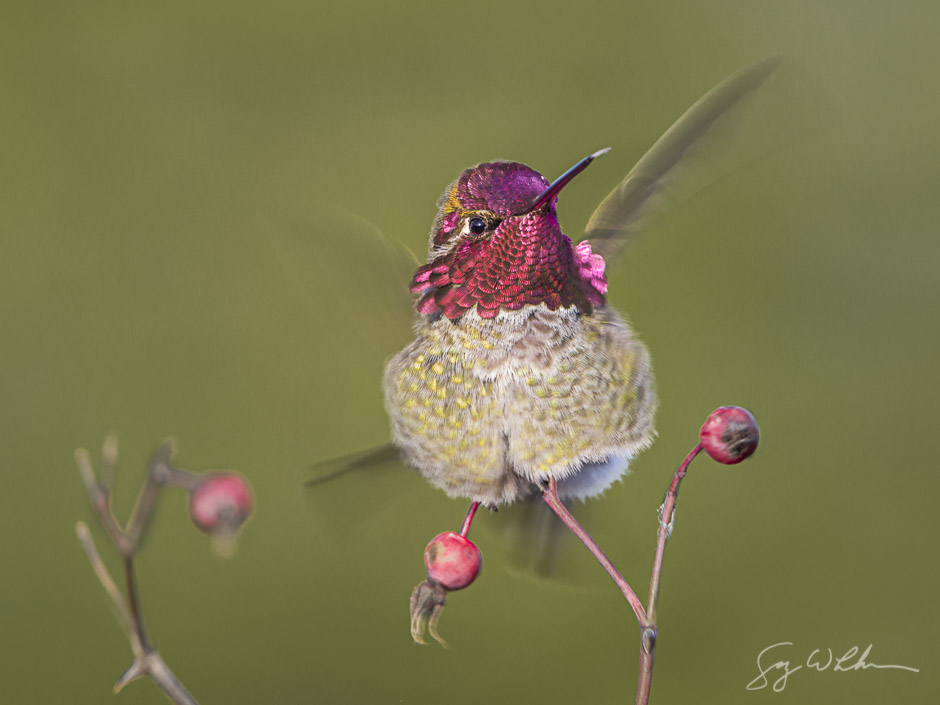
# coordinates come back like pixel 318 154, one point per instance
pixel 647 617
pixel 666 516
pixel 467 520
pixel 650 632
pixel 550 495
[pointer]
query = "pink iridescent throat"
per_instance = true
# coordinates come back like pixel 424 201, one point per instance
pixel 526 262
pixel 522 259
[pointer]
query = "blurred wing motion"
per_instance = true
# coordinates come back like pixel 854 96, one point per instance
pixel 384 486
pixel 353 280
pixel 652 186
pixel 352 276
pixel 327 470
pixel 533 537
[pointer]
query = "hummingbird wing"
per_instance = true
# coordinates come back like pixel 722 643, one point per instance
pixel 651 188
pixel 352 280
pixel 332 468
pixel 352 277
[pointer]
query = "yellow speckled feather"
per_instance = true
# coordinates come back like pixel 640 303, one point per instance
pixel 486 408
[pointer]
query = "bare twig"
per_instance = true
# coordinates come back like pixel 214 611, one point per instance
pixel 666 516
pixel 550 495
pixel 147 661
pixel 645 617
pixel 649 631
pixel 107 582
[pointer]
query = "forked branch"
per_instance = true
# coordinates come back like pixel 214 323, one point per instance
pixel 219 504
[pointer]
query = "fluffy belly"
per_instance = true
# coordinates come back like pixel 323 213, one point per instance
pixel 487 409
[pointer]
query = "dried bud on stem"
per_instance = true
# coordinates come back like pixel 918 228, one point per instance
pixel 730 435
pixel 219 503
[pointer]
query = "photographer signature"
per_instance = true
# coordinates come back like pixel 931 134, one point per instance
pixel 851 660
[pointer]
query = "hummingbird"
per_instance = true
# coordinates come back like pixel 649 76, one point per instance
pixel 520 371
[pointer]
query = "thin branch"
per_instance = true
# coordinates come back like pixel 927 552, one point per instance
pixel 147 661
pixel 109 460
pixel 147 499
pixel 666 517
pixel 644 681
pixel 647 618
pixel 133 603
pixel 650 633
pixel 550 495
pixel 107 582
pixel 100 496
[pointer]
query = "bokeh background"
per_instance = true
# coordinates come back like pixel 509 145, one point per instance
pixel 163 272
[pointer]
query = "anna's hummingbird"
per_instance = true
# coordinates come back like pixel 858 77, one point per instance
pixel 519 370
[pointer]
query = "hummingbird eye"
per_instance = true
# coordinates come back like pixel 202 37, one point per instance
pixel 477 226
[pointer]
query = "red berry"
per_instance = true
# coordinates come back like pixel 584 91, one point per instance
pixel 730 434
pixel 452 560
pixel 220 503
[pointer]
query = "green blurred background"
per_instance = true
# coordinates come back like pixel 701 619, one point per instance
pixel 147 155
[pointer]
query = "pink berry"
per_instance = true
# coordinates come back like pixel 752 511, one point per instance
pixel 220 503
pixel 730 434
pixel 452 560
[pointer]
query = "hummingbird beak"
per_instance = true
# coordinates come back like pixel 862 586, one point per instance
pixel 562 181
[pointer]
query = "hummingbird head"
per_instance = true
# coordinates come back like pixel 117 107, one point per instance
pixel 496 244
